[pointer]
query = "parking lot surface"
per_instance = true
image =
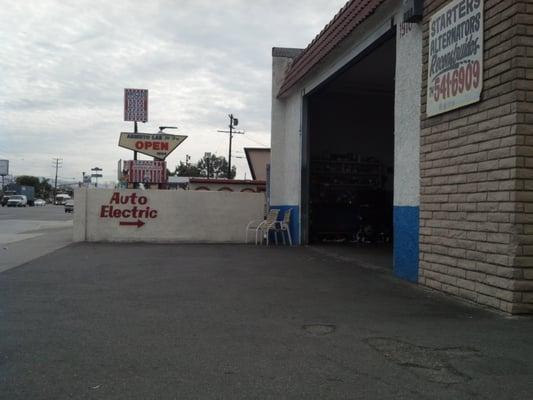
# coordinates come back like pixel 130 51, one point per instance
pixel 134 321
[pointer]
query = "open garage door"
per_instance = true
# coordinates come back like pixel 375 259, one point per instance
pixel 348 183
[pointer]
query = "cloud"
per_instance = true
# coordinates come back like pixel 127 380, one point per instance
pixel 65 64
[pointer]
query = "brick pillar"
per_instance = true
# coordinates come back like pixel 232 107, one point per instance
pixel 476 207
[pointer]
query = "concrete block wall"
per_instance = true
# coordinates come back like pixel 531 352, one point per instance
pixel 172 216
pixel 476 208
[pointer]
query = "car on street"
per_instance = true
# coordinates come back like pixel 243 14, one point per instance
pixel 39 203
pixel 18 200
pixel 69 206
pixel 60 199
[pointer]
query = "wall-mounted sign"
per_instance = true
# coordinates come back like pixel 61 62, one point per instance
pixel 158 145
pixel 136 105
pixel 136 171
pixel 130 210
pixel 455 63
pixel 4 167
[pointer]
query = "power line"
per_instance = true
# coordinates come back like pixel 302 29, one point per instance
pixel 255 141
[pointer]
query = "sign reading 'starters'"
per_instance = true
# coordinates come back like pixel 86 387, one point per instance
pixel 455 63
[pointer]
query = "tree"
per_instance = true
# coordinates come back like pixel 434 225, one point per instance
pixel 208 167
pixel 45 188
pixel 215 167
pixel 27 180
pixel 186 170
pixel 41 186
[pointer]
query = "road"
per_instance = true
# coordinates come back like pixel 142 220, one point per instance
pixel 30 232
pixel 148 321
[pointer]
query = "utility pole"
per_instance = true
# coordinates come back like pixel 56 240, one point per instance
pixel 207 157
pixel 233 122
pixel 57 163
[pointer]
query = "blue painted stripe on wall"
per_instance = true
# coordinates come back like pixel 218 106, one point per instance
pixel 295 220
pixel 406 248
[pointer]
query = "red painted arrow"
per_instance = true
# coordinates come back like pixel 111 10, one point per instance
pixel 137 223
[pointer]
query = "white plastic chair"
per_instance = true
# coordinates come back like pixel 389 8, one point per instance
pixel 259 226
pixel 282 226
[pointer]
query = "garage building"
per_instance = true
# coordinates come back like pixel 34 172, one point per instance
pixel 366 152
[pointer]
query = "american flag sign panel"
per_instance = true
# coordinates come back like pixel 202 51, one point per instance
pixel 136 105
pixel 145 171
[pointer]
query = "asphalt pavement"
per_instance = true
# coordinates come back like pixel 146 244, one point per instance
pixel 27 233
pixel 136 321
pixel 46 213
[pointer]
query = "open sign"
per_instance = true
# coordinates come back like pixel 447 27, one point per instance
pixel 158 145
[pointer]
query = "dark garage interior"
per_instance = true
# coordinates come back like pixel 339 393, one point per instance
pixel 351 152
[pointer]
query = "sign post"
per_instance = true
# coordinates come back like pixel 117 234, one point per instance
pixel 158 145
pixel 455 64
pixel 96 174
pixel 4 170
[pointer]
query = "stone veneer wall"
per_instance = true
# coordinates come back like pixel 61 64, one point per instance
pixel 476 209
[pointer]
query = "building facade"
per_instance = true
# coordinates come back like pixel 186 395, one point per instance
pixel 357 142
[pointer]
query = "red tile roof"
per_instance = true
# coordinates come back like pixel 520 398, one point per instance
pixel 347 19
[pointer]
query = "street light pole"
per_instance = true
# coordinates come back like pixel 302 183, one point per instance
pixel 230 140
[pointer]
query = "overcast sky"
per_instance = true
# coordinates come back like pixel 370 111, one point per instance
pixel 64 65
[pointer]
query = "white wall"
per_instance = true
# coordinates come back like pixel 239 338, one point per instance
pixel 407 115
pixel 285 164
pixel 181 216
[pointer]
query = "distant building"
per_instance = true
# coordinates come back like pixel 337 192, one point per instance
pixel 228 185
pixel 257 158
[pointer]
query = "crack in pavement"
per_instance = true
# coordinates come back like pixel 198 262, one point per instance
pixel 432 364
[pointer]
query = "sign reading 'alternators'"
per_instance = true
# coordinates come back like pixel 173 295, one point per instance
pixel 455 64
